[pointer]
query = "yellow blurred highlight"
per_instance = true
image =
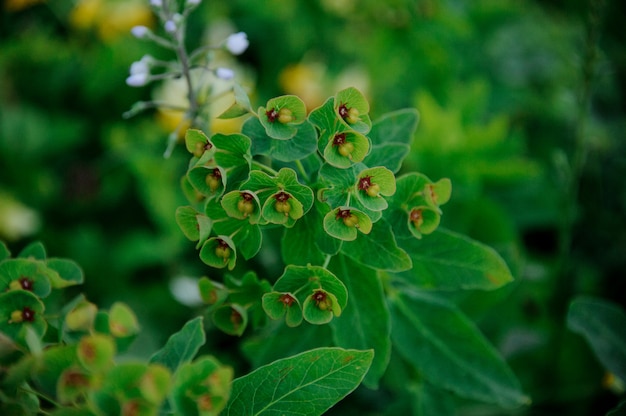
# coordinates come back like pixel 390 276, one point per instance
pixel 17 5
pixel 613 383
pixel 111 19
pixel 306 80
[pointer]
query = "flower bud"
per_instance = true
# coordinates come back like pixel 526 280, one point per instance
pixel 214 179
pixel 346 149
pixel 170 26
pixel 353 116
pixel 156 3
pixel 225 73
pixel 282 205
pixel 137 80
pixel 416 217
pixel 140 32
pixel 322 300
pixel 139 67
pixel 237 43
pixel 285 116
pixel 245 204
pixel 222 250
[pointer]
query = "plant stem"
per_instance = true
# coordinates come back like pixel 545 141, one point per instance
pixel 327 261
pixel 301 169
pixel 264 167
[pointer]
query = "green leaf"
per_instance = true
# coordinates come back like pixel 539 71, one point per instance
pixel 343 223
pixel 201 387
pixel 246 237
pixel 371 184
pixel 277 341
pixel 302 144
pixel 122 321
pixel 26 274
pixel 231 318
pixel 242 205
pixel 34 250
pixel 449 350
pixel 352 108
pixel 240 107
pixel 182 346
pixel 449 261
pixel 378 250
pixel 298 245
pixel 308 383
pixel 208 181
pixel 346 148
pixel 602 323
pixel 198 144
pixel 69 273
pixel 95 352
pixel 54 361
pixel 277 305
pixel 324 117
pixel 193 224
pixel 219 252
pixel 365 322
pixel 395 127
pixel 389 155
pixel 20 309
pixel 280 115
pixel 4 251
pixel 305 279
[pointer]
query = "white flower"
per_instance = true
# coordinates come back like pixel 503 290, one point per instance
pixel 225 73
pixel 156 3
pixel 170 26
pixel 139 67
pixel 137 80
pixel 237 43
pixel 140 32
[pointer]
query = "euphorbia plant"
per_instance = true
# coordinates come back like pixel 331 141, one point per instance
pixel 361 298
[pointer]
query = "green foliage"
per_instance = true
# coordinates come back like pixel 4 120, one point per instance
pixel 308 383
pixel 320 221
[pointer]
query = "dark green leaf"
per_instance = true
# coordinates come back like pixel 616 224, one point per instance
pixel 389 155
pixel 181 347
pixel 298 243
pixel 448 349
pixel 302 144
pixel 603 325
pixel 395 127
pixel 449 261
pixel 279 340
pixel 35 250
pixel 378 249
pixel 308 383
pixel 365 321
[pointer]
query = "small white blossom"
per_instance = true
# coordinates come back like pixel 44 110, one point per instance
pixel 170 26
pixel 156 3
pixel 139 67
pixel 140 32
pixel 225 73
pixel 193 3
pixel 137 80
pixel 237 43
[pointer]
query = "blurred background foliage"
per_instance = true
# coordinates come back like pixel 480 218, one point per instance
pixel 521 105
